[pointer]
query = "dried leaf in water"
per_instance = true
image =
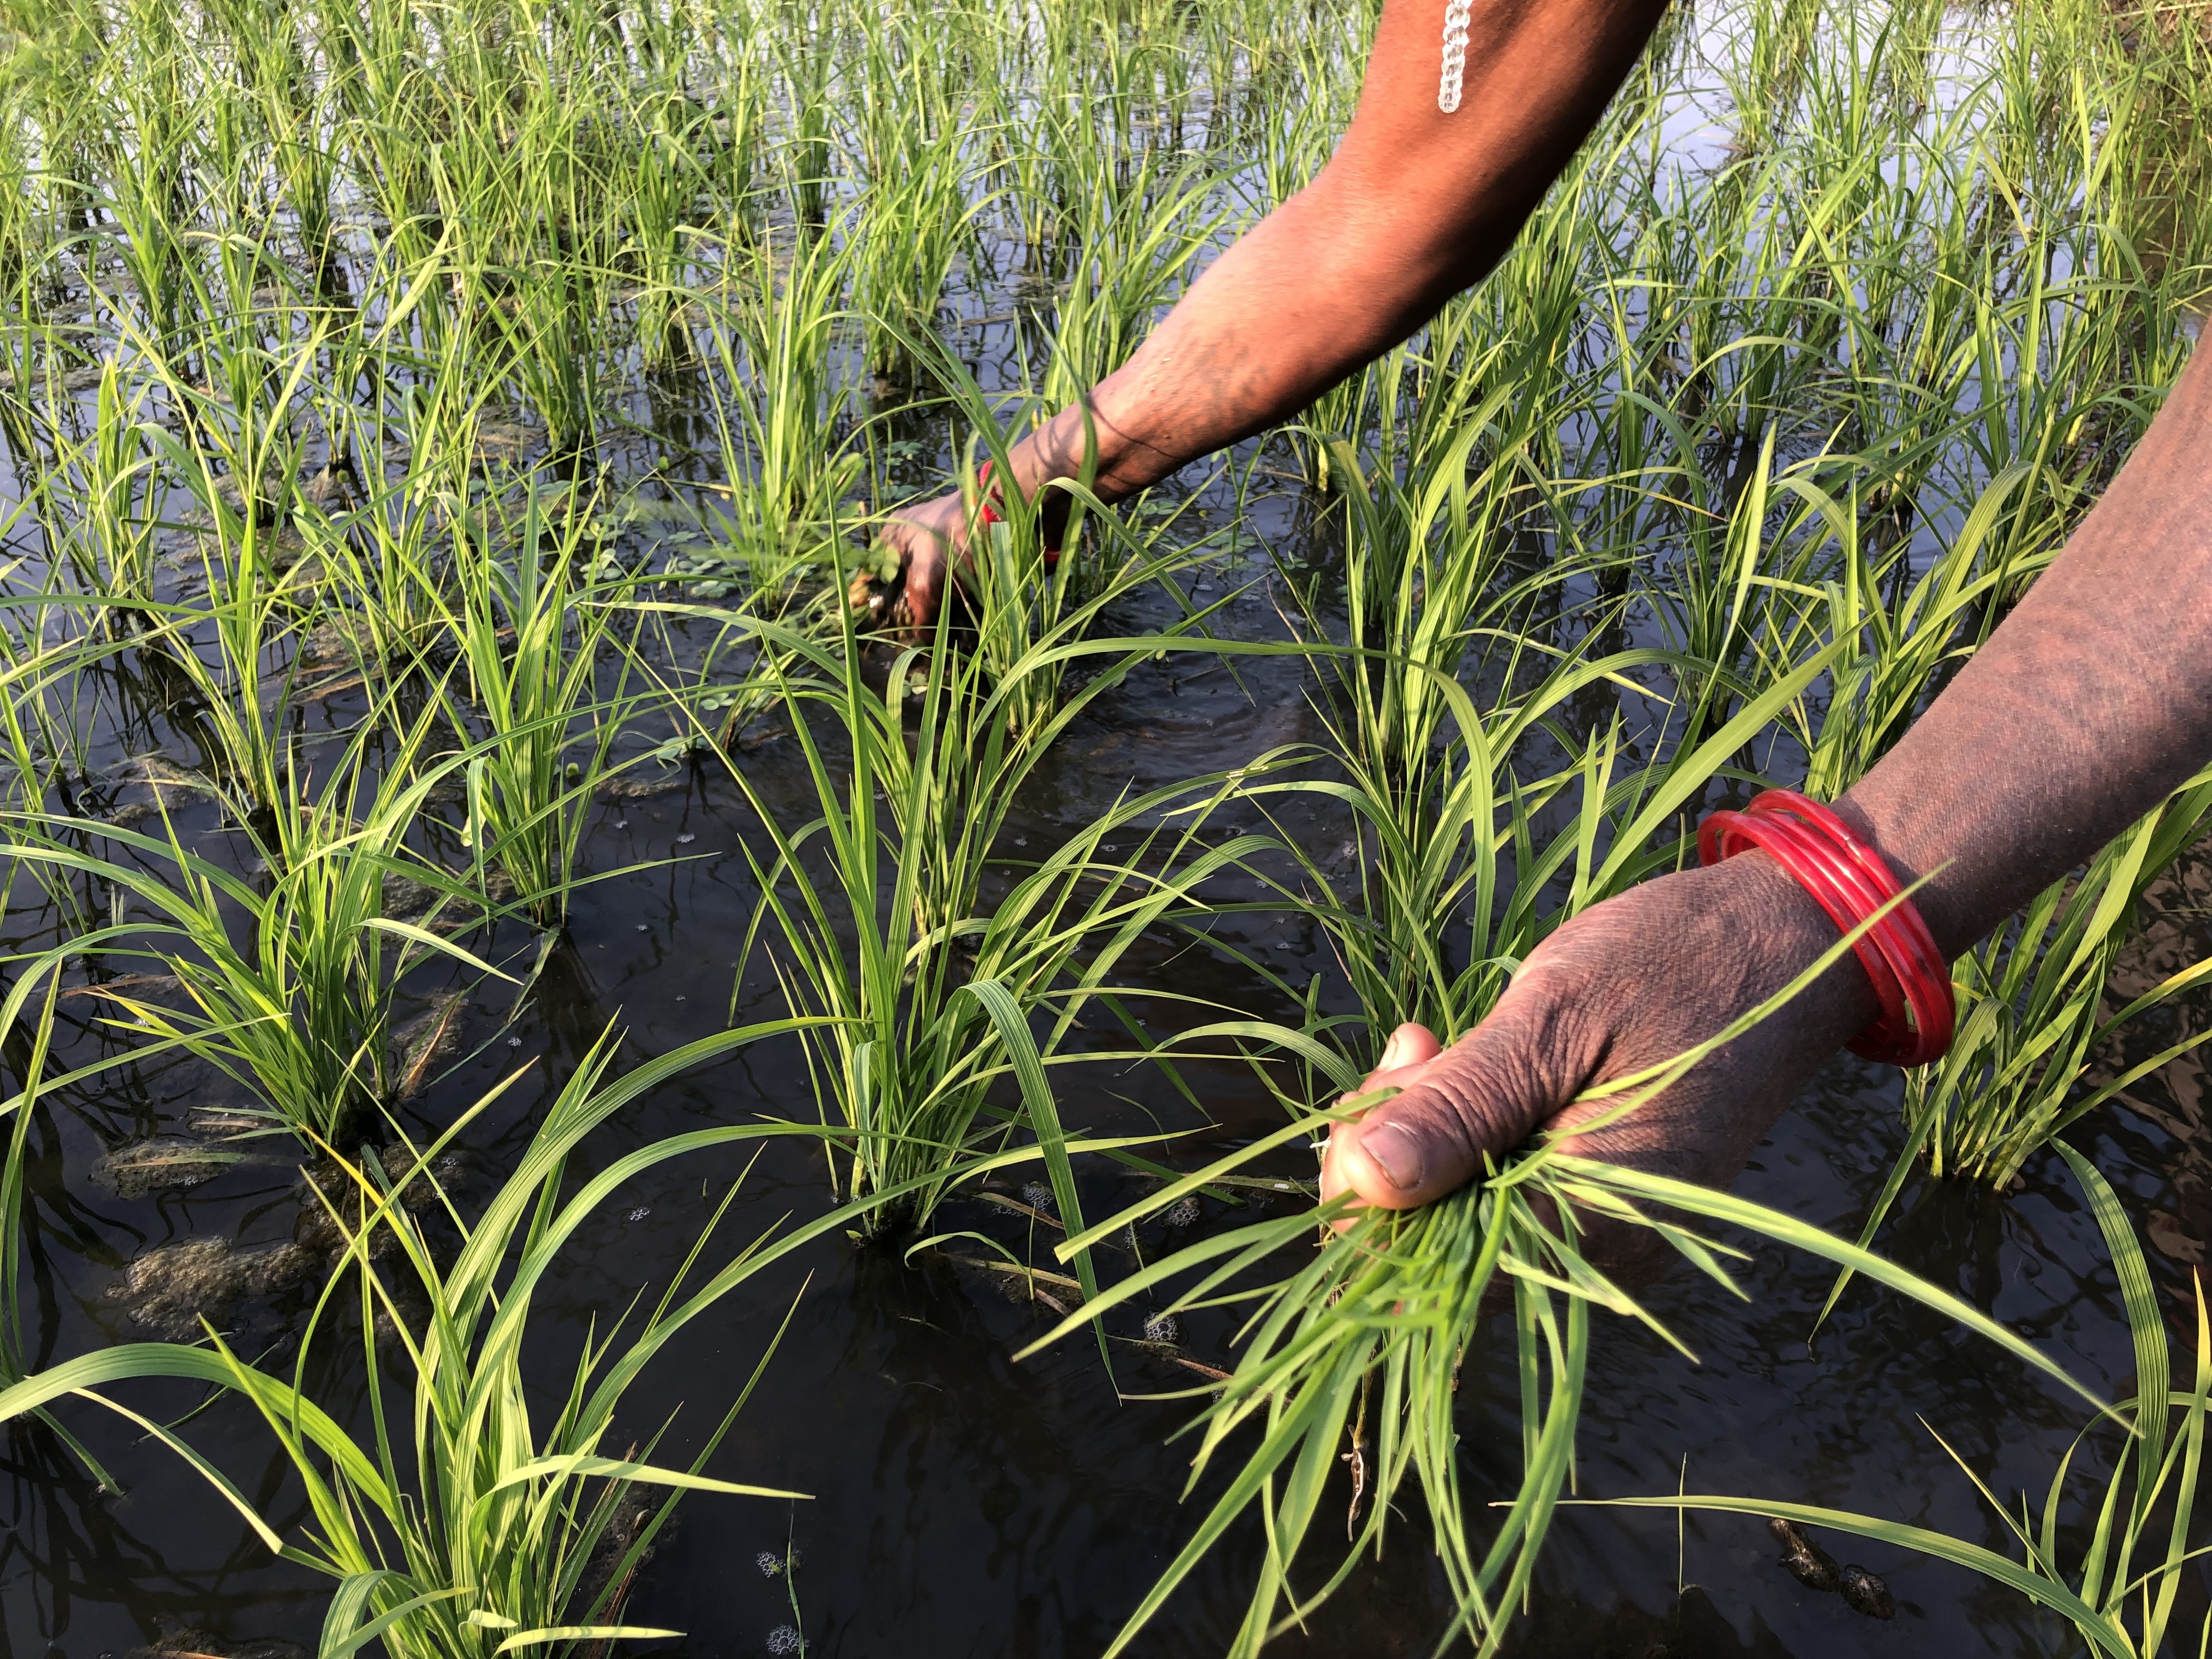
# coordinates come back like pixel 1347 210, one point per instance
pixel 427 1041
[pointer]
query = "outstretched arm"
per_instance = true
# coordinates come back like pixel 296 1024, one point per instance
pixel 1414 206
pixel 2086 708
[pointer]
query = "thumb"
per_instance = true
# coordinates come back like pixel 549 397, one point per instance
pixel 1483 1096
pixel 1410 1044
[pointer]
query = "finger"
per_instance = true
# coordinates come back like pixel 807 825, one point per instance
pixel 1403 1062
pixel 1483 1096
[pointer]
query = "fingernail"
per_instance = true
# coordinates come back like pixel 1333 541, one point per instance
pixel 1394 1152
pixel 1390 1055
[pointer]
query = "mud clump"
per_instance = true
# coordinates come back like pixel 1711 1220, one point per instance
pixel 1865 1593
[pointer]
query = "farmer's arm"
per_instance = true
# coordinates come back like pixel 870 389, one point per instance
pixel 1414 206
pixel 2085 708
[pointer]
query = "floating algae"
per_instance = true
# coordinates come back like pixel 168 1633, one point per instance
pixel 165 1163
pixel 426 1042
pixel 171 1290
pixel 198 1644
pixel 642 788
pixel 1865 1593
pixel 405 899
pixel 344 639
pixel 1811 1565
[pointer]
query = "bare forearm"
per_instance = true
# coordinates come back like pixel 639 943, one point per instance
pixel 1415 206
pixel 2087 707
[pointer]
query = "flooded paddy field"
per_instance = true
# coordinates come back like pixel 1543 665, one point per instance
pixel 372 517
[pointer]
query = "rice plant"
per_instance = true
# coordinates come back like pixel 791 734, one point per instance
pixel 297 1010
pixel 533 630
pixel 2034 1014
pixel 382 336
pixel 466 1518
pixel 874 914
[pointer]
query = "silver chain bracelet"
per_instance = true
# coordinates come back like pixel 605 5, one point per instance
pixel 1455 16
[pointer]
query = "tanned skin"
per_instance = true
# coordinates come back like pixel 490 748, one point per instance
pixel 2087 707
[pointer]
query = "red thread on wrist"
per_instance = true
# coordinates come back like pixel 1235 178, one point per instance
pixel 1850 881
pixel 989 514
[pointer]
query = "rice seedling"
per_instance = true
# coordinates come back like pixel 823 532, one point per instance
pixel 779 407
pixel 927 996
pixel 533 627
pixel 2131 1548
pixel 2034 1014
pixel 299 1010
pixel 2034 1020
pixel 462 1520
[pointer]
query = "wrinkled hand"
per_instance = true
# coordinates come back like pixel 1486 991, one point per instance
pixel 1626 986
pixel 929 539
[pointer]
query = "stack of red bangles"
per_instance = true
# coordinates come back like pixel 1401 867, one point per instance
pixel 1852 881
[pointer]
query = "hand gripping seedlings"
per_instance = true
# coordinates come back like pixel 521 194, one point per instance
pixel 876 595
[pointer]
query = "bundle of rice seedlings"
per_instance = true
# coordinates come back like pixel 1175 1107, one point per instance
pixel 1358 1344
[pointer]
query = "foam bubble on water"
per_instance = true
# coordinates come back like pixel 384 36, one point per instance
pixel 784 1640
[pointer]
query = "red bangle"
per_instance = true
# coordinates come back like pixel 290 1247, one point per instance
pixel 1850 881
